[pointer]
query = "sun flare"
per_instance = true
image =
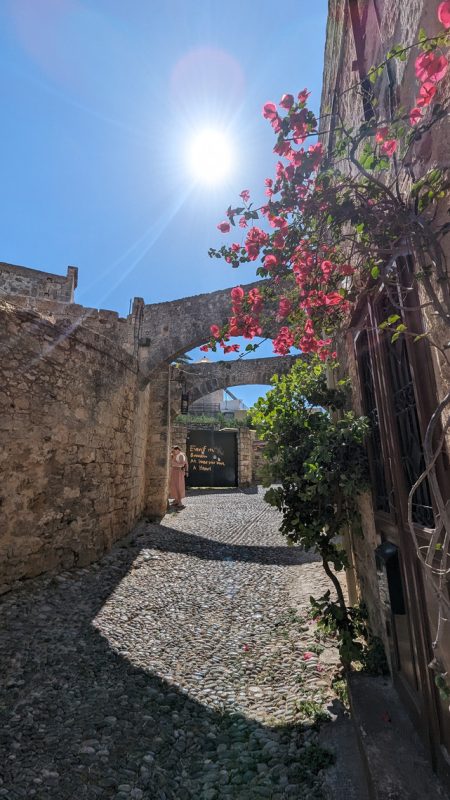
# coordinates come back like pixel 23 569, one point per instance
pixel 210 156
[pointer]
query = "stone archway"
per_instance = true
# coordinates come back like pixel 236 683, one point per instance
pixel 203 378
pixel 166 330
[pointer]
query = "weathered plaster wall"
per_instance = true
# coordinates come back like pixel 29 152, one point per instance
pixel 73 434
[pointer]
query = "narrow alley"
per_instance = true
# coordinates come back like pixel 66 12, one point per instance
pixel 182 665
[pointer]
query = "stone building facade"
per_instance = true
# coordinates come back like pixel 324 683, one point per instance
pixel 86 404
pixel 397 384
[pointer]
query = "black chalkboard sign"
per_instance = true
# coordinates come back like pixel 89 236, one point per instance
pixel 212 457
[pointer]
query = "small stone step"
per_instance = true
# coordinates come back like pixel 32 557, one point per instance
pixel 394 756
pixel 346 779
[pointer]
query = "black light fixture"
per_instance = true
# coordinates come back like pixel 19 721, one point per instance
pixel 184 403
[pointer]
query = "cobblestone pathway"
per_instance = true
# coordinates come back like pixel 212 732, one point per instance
pixel 174 668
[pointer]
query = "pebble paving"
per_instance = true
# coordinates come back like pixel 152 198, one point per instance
pixel 179 666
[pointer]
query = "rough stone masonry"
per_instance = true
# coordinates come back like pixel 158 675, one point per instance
pixel 85 407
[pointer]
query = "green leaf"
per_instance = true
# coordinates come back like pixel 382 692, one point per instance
pixel 422 35
pixel 393 318
pixel 375 272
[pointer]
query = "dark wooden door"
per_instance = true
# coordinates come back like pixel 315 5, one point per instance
pixel 398 394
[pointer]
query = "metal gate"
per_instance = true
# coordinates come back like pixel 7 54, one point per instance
pixel 212 457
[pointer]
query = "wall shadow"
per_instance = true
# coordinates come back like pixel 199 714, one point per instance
pixel 172 540
pixel 192 491
pixel 79 720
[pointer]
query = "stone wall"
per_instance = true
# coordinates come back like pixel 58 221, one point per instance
pixel 245 456
pixel 382 26
pixel 85 425
pixel 398 22
pixel 259 461
pixel 35 283
pixel 122 332
pixel 73 434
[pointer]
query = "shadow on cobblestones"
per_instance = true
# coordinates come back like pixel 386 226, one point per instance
pixel 250 490
pixel 80 720
pixel 171 540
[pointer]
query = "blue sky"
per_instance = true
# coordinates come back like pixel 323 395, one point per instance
pixel 100 101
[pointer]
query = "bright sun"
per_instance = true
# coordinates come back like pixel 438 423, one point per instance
pixel 210 156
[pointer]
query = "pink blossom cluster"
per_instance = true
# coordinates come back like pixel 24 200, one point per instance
pixel 430 69
pixel 319 299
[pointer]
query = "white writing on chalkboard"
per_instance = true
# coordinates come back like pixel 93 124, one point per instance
pixel 204 459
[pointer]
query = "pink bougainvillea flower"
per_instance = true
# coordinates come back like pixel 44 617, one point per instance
pixel 389 147
pixel 256 238
pixel 415 115
pixel 237 293
pixel 381 134
pixel 316 149
pixel 245 648
pixel 224 227
pixel 283 341
pixel 270 262
pixel 215 331
pixel 431 67
pixel 426 94
pixel 327 269
pixel 303 96
pixel 333 299
pixel 270 111
pixel 276 123
pixel 282 148
pixel 287 101
pixel 245 194
pixel 278 239
pixel 284 307
pixel 307 655
pixel 231 348
pixel 243 223
pixel 255 299
pixel 279 222
pixel 204 348
pixel 444 14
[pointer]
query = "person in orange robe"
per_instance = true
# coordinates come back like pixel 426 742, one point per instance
pixel 178 468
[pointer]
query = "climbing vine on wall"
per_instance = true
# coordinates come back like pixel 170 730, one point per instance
pixel 344 204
